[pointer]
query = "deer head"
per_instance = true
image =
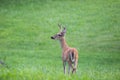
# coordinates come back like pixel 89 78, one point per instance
pixel 59 35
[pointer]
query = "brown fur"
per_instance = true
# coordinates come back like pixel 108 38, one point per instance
pixel 66 52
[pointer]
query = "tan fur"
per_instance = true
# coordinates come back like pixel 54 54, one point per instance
pixel 66 52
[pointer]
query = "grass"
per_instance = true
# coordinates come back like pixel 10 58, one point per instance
pixel 28 53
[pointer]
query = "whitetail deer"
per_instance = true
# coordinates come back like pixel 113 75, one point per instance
pixel 69 54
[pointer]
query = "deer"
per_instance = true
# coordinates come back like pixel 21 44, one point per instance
pixel 69 54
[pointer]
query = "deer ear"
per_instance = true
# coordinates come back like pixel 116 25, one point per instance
pixel 64 30
pixel 60 27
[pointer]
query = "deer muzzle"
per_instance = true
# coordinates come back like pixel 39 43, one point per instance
pixel 52 37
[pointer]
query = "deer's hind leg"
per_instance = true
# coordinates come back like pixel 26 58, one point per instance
pixel 69 66
pixel 75 66
pixel 64 66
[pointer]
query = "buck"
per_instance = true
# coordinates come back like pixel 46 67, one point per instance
pixel 69 55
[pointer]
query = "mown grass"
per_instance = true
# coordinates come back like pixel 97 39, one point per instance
pixel 28 53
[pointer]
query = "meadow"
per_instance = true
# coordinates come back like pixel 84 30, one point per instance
pixel 28 53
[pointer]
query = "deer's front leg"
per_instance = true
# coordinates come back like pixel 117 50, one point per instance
pixel 64 66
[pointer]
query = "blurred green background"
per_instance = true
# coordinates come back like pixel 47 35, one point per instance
pixel 28 53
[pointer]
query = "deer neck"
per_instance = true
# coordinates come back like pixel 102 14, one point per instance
pixel 63 43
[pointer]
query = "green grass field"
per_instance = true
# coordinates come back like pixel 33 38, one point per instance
pixel 28 53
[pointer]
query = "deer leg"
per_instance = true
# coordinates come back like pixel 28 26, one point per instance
pixel 64 66
pixel 69 67
pixel 75 67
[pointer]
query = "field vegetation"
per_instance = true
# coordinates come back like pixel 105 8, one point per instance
pixel 28 53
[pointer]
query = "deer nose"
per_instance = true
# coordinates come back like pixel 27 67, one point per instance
pixel 52 37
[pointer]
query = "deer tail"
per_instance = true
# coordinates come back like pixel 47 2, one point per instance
pixel 72 57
